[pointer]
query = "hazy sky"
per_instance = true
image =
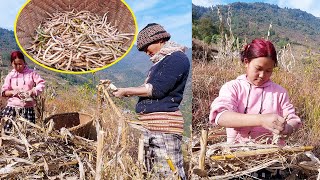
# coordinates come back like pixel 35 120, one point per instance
pixel 310 6
pixel 8 12
pixel 175 16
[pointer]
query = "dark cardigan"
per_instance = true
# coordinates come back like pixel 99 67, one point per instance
pixel 168 78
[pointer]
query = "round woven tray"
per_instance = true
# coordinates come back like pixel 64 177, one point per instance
pixel 36 11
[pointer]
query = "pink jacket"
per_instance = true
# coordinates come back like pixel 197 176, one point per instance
pixel 25 81
pixel 268 98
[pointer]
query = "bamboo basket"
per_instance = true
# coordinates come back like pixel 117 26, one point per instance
pixel 78 124
pixel 37 11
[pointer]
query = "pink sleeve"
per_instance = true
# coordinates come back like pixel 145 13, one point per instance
pixel 40 83
pixel 226 101
pixel 6 85
pixel 288 110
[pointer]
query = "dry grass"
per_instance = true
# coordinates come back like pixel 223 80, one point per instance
pixel 207 79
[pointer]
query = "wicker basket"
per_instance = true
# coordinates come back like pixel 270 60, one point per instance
pixel 78 124
pixel 36 11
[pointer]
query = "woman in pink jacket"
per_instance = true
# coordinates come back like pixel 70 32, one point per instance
pixel 21 85
pixel 252 106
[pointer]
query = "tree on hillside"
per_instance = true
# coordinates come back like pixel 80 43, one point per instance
pixel 204 29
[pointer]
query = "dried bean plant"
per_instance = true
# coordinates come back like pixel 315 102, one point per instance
pixel 227 161
pixel 34 152
pixel 78 41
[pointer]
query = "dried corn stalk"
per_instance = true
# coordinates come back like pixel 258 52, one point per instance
pixel 78 41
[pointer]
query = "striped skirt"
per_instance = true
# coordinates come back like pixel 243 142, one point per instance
pixel 165 122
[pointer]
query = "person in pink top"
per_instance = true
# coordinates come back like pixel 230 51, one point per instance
pixel 252 106
pixel 21 85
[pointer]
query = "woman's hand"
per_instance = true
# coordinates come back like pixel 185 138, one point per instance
pixel 11 93
pixel 121 92
pixel 30 93
pixel 273 122
pixel 288 130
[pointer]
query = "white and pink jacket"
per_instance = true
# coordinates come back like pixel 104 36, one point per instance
pixel 241 96
pixel 24 81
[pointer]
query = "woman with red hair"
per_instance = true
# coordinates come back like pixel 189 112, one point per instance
pixel 252 106
pixel 21 85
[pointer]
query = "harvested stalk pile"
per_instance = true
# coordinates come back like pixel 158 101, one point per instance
pixel 203 52
pixel 226 161
pixel 78 41
pixel 33 152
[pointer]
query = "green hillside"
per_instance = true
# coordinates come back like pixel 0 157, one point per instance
pixel 252 20
pixel 7 41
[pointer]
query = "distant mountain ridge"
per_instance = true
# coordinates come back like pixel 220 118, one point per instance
pixel 252 20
